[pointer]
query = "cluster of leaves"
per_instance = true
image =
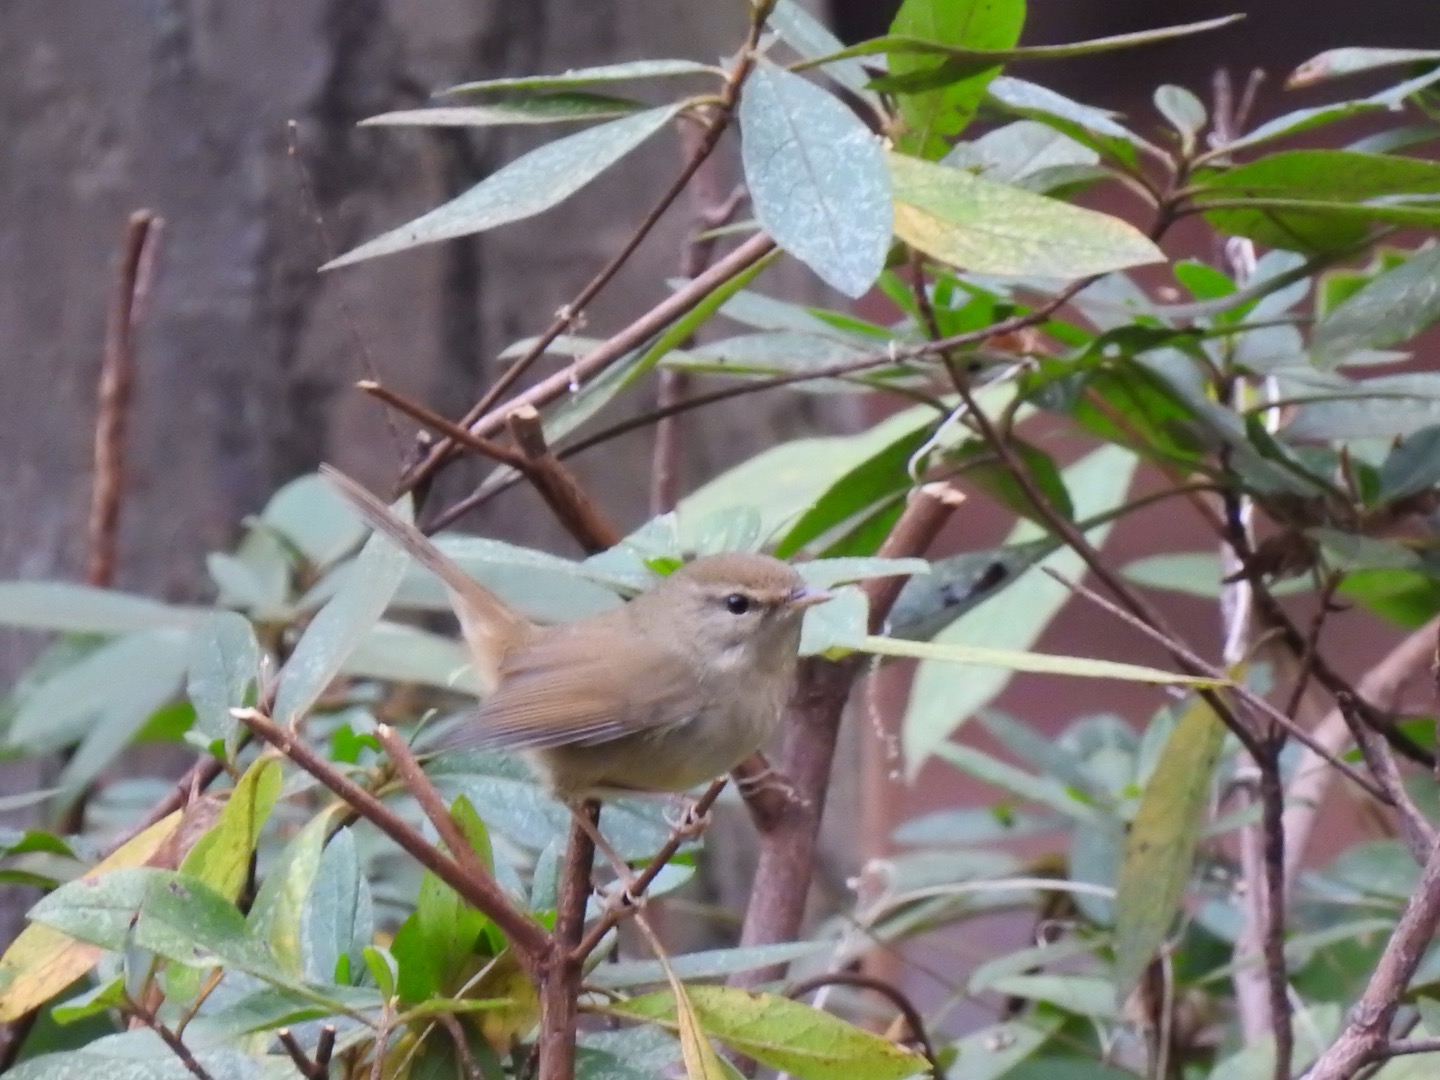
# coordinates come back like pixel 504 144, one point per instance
pixel 264 907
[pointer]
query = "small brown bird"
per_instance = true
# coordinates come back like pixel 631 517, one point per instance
pixel 658 695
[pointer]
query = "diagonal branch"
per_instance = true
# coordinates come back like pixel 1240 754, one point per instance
pixel 524 933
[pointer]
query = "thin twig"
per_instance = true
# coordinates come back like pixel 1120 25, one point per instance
pixel 557 485
pixel 309 1068
pixel 1310 780
pixel 1272 829
pixel 524 933
pixel 424 793
pixel 117 379
pixel 1199 666
pixel 635 890
pixel 1366 1036
pixel 719 119
pixel 891 993
pixel 560 981
pixel 1415 829
pixel 435 421
pixel 169 1038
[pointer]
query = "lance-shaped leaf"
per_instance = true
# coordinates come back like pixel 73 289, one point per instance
pixel 817 178
pixel 1160 846
pixel 525 187
pixel 83 609
pixel 1020 660
pixel 783 1034
pixel 604 73
pixel 334 633
pixel 544 109
pixel 224 662
pixel 1391 308
pixel 993 228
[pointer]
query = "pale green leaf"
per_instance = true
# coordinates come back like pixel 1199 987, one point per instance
pixel 1388 309
pixel 603 73
pixel 526 186
pixel 817 178
pixel 83 609
pixel 224 664
pixel 1160 845
pixel 1019 660
pixel 339 627
pixel 943 696
pixel 221 858
pixel 546 109
pixel 783 1034
pixel 987 227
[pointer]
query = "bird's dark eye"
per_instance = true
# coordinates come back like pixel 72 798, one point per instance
pixel 737 603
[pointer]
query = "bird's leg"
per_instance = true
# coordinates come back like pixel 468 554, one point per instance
pixel 687 824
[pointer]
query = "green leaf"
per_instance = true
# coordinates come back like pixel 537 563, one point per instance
pixel 315 518
pixel 437 942
pixel 879 477
pixel 839 624
pixel 783 1034
pixel 981 466
pixel 905 45
pixel 1320 200
pixel 1041 790
pixel 1388 407
pixel 1026 153
pixel 279 910
pixel 813 40
pixel 993 1052
pixel 221 858
pixel 1333 63
pixel 224 665
pixel 542 109
pixel 101 700
pixel 773 352
pixel 710 964
pixel 1160 846
pixel 792 476
pixel 400 653
pixel 138 1055
pixel 933 116
pixel 338 919
pixel 604 73
pixel 83 609
pixel 1087 995
pixel 1184 111
pixel 930 602
pixel 339 627
pixel 1412 466
pixel 1090 126
pixel 993 228
pixel 1019 660
pixel 1391 308
pixel 526 186
pixel 943 696
pixel 817 178
pixel 100 998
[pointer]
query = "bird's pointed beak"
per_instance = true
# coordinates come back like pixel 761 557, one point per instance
pixel 808 596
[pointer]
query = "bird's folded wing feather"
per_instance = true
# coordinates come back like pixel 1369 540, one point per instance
pixel 558 692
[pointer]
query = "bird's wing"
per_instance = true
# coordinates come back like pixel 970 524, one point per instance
pixel 558 692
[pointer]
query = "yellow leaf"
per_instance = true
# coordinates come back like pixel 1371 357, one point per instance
pixel 41 962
